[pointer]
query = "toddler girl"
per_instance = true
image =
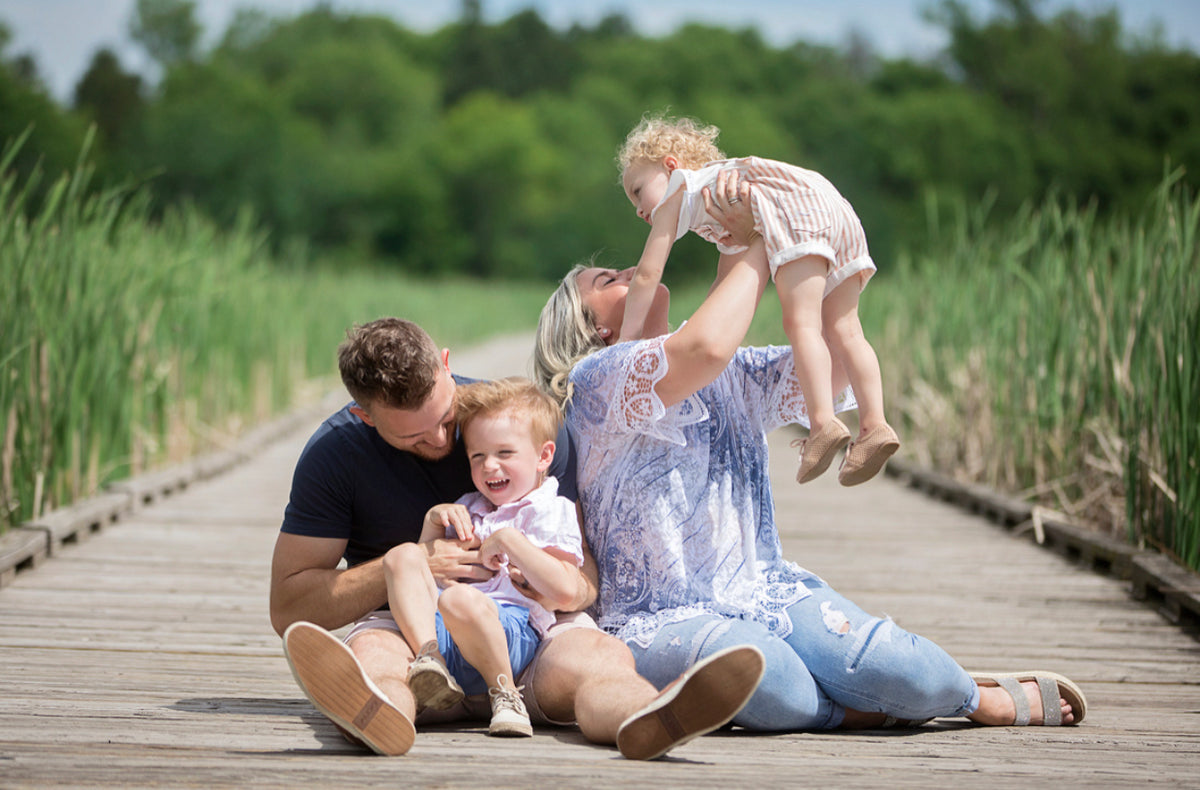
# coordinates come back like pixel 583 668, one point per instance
pixel 819 261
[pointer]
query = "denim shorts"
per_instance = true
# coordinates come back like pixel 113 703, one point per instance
pixel 522 644
pixel 477 707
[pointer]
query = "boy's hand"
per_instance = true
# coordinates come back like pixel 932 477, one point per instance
pixel 492 553
pixel 451 515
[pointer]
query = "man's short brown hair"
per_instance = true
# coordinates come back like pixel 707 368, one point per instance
pixel 389 361
pixel 517 396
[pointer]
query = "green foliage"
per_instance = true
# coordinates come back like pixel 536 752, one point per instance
pixel 111 98
pixel 501 180
pixel 1080 100
pixel 337 128
pixel 131 341
pixel 214 125
pixel 167 29
pixel 520 56
pixel 1053 353
pixel 52 136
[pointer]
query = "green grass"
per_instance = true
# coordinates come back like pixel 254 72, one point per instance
pixel 1050 355
pixel 132 341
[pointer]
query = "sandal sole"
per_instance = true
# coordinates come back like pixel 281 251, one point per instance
pixel 1067 689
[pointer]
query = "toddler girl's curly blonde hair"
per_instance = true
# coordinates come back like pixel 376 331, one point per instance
pixel 686 139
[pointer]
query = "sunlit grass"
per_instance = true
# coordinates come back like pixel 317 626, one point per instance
pixel 1051 355
pixel 130 342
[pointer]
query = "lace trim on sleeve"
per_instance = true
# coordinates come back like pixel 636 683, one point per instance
pixel 787 401
pixel 786 404
pixel 636 407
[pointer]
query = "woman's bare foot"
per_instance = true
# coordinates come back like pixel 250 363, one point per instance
pixel 996 707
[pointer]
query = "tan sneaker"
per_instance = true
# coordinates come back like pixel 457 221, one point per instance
pixel 335 683
pixel 817 450
pixel 867 456
pixel 430 681
pixel 509 717
pixel 702 699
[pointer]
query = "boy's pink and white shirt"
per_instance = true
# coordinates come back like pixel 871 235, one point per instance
pixel 546 519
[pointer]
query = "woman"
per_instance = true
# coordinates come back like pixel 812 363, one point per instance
pixel 671 435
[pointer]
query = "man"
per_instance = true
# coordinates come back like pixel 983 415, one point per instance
pixel 363 484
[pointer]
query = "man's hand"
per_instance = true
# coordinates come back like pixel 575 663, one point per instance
pixel 453 561
pixel 528 590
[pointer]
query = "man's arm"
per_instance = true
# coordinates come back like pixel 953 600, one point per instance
pixel 306 583
pixel 588 582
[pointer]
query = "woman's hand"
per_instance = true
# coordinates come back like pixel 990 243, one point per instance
pixel 729 202
pixel 703 347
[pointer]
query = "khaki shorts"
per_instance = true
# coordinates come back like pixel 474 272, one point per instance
pixel 478 708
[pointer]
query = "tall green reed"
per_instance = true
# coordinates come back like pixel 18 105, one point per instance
pixel 130 340
pixel 109 322
pixel 1053 355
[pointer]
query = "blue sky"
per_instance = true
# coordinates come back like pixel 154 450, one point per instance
pixel 63 34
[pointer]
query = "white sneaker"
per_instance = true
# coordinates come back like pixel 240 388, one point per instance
pixel 509 718
pixel 430 681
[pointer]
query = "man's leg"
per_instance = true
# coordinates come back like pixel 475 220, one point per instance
pixel 385 655
pixel 589 676
pixel 586 676
pixel 362 690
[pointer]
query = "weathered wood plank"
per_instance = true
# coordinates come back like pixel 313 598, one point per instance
pixel 144 656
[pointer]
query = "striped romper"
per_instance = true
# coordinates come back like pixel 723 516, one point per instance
pixel 797 211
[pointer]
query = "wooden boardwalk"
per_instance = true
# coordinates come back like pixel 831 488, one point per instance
pixel 143 656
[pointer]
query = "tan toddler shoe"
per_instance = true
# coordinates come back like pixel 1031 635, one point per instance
pixel 867 456
pixel 817 450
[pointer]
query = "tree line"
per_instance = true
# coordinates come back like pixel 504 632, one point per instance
pixel 487 149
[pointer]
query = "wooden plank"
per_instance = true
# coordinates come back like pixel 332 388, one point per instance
pixel 78 522
pixel 144 656
pixel 21 549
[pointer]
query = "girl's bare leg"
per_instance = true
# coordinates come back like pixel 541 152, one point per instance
pixel 839 313
pixel 801 287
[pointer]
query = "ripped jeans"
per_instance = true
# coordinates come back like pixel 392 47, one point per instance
pixel 836 657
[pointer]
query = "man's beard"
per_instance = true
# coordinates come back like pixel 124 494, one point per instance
pixel 431 454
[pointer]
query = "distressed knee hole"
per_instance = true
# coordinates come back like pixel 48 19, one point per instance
pixel 835 620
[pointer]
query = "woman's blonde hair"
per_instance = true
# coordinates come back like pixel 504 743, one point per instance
pixel 566 333
pixel 686 139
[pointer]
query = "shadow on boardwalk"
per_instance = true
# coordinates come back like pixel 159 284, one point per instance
pixel 143 656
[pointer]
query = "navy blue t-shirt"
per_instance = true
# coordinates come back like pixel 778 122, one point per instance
pixel 351 484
